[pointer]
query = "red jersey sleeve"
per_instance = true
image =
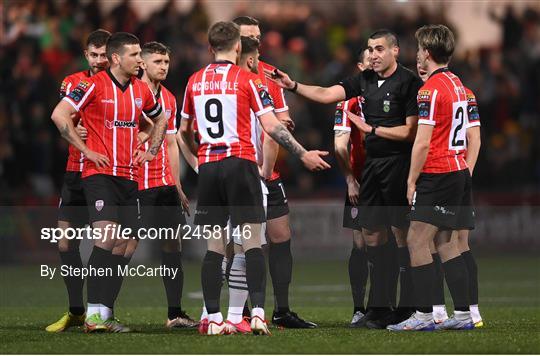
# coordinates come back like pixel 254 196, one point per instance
pixel 259 98
pixel 151 107
pixel 278 98
pixel 341 119
pixel 188 109
pixel 427 100
pixel 472 109
pixel 84 93
pixel 171 126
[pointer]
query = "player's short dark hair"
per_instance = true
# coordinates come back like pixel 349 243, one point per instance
pixel 223 35
pixel 360 55
pixel 155 47
pixel 438 40
pixel 246 21
pixel 118 40
pixel 98 38
pixel 249 45
pixel 390 36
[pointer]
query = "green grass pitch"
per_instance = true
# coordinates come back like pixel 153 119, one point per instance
pixel 509 293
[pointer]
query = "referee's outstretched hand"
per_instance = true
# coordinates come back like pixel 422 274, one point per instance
pixel 359 122
pixel 313 160
pixel 280 78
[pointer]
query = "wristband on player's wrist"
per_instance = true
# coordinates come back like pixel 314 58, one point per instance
pixel 295 88
pixel 373 128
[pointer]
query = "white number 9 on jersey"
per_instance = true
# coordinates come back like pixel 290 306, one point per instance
pixel 456 141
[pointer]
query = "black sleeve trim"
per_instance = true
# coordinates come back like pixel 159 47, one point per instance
pixel 154 112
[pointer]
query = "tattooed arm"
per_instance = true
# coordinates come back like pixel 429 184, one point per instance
pixel 156 140
pixel 311 159
pixel 62 118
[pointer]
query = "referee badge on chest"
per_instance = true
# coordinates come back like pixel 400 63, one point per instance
pixel 386 105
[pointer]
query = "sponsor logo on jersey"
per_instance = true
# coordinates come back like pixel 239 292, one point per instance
pixel 63 89
pixel 259 83
pixel 424 95
pixel 339 117
pixel 340 105
pixel 120 124
pixel 107 101
pixel 76 94
pixel 138 102
pixel 99 205
pixel 423 109
pixel 168 114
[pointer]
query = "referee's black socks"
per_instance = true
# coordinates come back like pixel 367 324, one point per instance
pixel 74 285
pixel 358 274
pixel 255 276
pixel 379 297
pixel 406 296
pixel 280 265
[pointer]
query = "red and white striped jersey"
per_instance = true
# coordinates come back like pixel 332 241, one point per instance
pixel 220 97
pixel 357 154
pixel 442 103
pixel 157 172
pixel 278 97
pixel 111 114
pixel 75 157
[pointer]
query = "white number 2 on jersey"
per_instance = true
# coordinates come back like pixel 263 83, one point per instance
pixel 457 141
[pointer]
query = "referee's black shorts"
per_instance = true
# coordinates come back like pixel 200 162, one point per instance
pixel 72 207
pixel 113 199
pixel 161 207
pixel 383 192
pixel 444 200
pixel 229 188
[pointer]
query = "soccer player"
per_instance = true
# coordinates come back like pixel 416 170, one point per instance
pixel 389 91
pixel 72 209
pixel 351 162
pixel 277 225
pixel 439 184
pixel 471 155
pixel 160 191
pixel 111 103
pixel 219 97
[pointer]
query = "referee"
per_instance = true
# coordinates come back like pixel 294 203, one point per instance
pixel 388 93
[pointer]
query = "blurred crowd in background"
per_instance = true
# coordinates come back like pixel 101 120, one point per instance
pixel 42 41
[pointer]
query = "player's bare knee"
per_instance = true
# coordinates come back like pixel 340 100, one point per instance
pixel 278 230
pixel 400 235
pixel 374 237
pixel 463 241
pixel 358 239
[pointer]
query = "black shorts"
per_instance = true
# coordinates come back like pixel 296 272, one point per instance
pixel 72 207
pixel 350 215
pixel 114 199
pixel 444 200
pixel 229 188
pixel 161 207
pixel 277 205
pixel 383 192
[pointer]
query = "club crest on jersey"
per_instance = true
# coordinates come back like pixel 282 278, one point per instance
pixel 138 102
pixel 168 114
pixel 386 105
pixel 99 205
